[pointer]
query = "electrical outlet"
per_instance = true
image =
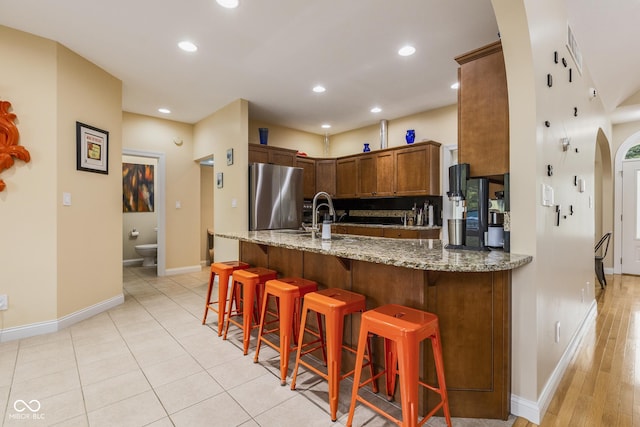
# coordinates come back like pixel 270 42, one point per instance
pixel 4 302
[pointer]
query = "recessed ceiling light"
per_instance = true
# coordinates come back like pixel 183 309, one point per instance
pixel 456 85
pixel 376 109
pixel 229 4
pixel 319 89
pixel 187 46
pixel 326 126
pixel 164 110
pixel 407 51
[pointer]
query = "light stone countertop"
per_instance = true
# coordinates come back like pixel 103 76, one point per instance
pixel 427 254
pixel 392 226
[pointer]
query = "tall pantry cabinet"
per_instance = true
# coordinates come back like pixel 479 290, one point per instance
pixel 483 111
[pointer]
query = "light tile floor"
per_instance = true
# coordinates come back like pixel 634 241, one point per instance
pixel 150 362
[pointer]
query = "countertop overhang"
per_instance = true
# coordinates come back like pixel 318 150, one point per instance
pixel 420 254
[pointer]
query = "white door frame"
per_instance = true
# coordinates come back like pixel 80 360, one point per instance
pixel 630 201
pixel 631 141
pixel 447 160
pixel 159 201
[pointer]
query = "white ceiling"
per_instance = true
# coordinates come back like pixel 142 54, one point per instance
pixel 272 52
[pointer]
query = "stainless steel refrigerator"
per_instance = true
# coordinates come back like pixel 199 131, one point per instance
pixel 275 197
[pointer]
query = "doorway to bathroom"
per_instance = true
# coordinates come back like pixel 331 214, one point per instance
pixel 143 207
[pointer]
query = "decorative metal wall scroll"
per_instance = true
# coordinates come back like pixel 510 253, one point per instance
pixel 9 136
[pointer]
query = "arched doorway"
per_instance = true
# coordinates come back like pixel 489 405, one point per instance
pixel 602 195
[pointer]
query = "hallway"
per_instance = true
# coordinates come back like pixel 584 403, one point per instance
pixel 601 386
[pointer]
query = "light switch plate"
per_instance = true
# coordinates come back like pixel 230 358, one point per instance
pixel 4 302
pixel 547 195
pixel 66 199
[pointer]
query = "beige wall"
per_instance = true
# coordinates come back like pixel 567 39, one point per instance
pixel 94 215
pixel 223 130
pixel 550 289
pixel 439 125
pixel 622 132
pixel 182 183
pixel 28 206
pixel 145 223
pixel 76 249
pixel 284 137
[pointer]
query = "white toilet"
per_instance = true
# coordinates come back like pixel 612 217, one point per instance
pixel 149 252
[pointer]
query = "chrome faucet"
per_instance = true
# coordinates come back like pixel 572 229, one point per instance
pixel 315 207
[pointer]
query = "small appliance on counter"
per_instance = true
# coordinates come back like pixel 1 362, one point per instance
pixel 495 236
pixel 468 226
pixel 457 190
pixel 477 214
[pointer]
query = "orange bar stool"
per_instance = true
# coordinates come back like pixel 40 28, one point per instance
pixel 252 280
pixel 403 329
pixel 334 304
pixel 224 270
pixel 288 291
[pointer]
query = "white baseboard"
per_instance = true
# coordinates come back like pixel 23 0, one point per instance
pixel 608 270
pixel 183 270
pixel 534 411
pixel 49 326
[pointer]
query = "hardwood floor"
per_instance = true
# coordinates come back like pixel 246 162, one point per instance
pixel 601 386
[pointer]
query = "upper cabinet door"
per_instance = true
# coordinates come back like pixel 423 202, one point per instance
pixel 346 177
pixel 367 178
pixel 483 111
pixel 417 170
pixel 384 173
pixel 326 176
pixel 308 176
pixel 272 155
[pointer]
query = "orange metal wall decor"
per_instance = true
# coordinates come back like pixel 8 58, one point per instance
pixel 9 136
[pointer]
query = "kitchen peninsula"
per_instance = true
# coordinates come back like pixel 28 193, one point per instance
pixel 470 291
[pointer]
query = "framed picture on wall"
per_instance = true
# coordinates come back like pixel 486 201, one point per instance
pixel 229 156
pixel 219 182
pixel 92 149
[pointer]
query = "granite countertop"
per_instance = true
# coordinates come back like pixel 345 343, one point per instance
pixel 421 254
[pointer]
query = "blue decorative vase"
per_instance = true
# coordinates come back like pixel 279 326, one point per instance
pixel 366 147
pixel 410 136
pixel 264 135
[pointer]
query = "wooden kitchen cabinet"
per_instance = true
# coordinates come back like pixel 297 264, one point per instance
pixel 412 170
pixel 375 174
pixel 384 173
pixel 347 177
pixel 367 175
pixel 483 111
pixel 417 170
pixel 273 155
pixel 326 176
pixel 308 166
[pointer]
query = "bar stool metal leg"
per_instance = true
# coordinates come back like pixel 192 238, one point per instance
pixel 224 270
pixel 403 329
